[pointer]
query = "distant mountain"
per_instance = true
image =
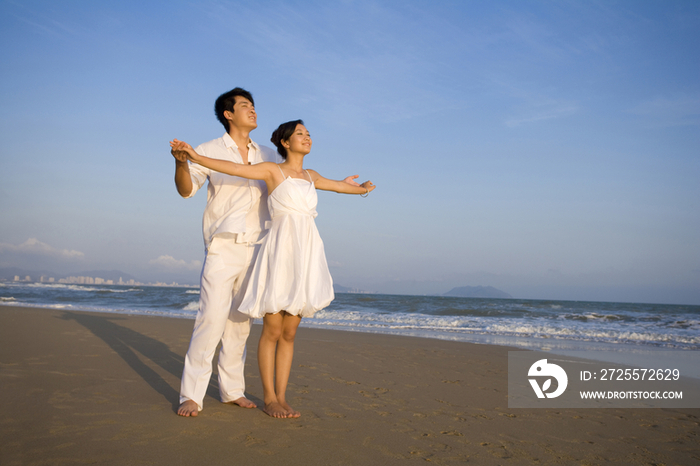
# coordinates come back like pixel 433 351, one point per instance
pixel 477 292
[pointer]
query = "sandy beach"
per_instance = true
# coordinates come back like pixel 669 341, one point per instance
pixel 89 388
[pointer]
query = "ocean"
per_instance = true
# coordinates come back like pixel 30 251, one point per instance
pixel 535 324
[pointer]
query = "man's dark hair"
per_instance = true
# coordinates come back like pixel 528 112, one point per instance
pixel 283 133
pixel 226 102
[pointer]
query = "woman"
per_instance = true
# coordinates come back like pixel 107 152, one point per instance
pixel 290 279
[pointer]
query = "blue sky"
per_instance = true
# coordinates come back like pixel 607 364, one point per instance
pixel 548 148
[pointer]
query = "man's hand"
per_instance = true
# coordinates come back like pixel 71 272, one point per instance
pixel 183 180
pixel 182 151
pixel 180 155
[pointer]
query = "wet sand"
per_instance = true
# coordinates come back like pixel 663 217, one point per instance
pixel 89 388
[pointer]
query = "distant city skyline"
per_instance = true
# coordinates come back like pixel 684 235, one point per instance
pixel 90 280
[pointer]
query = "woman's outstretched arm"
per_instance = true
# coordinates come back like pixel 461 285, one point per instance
pixel 258 171
pixel 340 186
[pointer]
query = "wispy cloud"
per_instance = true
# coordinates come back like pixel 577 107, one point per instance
pixel 360 59
pixel 531 105
pixel 42 20
pixel 548 112
pixel 681 110
pixel 35 247
pixel 170 263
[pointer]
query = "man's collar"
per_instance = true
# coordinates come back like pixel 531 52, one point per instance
pixel 229 142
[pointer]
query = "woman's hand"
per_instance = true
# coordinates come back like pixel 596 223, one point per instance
pixel 182 151
pixel 346 186
pixel 351 180
pixel 368 186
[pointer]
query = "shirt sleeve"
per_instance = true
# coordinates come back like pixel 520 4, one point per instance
pixel 198 173
pixel 270 155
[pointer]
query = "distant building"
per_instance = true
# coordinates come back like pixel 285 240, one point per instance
pixel 79 280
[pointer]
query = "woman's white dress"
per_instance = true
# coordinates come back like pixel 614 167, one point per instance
pixel 290 273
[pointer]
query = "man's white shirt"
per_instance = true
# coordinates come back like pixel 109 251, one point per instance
pixel 236 207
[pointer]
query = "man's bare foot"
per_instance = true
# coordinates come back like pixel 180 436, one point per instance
pixel 188 409
pixel 275 409
pixel 244 402
pixel 291 412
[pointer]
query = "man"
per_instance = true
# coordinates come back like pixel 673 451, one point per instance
pixel 233 224
pixel 234 220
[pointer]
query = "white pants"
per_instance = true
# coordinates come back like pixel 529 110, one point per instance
pixel 227 268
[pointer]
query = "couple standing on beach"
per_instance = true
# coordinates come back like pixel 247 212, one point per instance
pixel 253 267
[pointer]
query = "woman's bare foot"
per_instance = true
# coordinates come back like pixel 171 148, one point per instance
pixel 291 412
pixel 275 409
pixel 188 409
pixel 244 402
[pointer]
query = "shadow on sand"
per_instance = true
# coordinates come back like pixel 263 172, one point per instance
pixel 129 344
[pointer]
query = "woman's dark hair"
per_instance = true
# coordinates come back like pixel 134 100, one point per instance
pixel 226 101
pixel 283 133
